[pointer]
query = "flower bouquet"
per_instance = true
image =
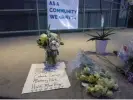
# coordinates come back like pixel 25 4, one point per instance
pixel 50 42
pixel 126 55
pixel 96 80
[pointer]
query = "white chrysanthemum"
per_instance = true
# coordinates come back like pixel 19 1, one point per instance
pixel 54 45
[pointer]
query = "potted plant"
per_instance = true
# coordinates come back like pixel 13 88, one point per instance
pixel 101 40
pixel 102 37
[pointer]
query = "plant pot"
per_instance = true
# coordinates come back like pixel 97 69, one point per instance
pixel 101 46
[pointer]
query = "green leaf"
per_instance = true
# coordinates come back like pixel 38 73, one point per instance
pixel 92 35
pixel 109 34
pixel 92 39
pixel 61 43
pixel 103 36
pixel 109 31
pixel 98 34
pixel 106 38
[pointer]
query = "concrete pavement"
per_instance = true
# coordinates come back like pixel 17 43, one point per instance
pixel 18 53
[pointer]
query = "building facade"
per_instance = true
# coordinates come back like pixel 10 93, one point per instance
pixel 27 16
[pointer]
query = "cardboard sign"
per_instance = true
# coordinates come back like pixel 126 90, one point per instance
pixel 43 80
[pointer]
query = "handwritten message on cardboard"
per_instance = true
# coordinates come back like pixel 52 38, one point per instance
pixel 42 80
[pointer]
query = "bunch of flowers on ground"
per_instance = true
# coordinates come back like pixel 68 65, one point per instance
pixel 126 55
pixel 98 84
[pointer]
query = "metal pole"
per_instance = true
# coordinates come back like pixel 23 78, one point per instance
pixel 127 15
pixel 84 16
pixel 110 22
pixel 47 15
pixel 38 21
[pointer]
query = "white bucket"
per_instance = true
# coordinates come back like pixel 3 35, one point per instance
pixel 101 46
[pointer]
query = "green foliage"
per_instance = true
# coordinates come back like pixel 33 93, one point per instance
pixel 101 36
pixel 61 43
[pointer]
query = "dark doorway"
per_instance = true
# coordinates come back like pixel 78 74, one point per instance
pixel 130 20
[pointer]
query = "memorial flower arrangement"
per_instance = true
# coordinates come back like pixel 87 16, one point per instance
pixel 97 82
pixel 126 55
pixel 50 42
